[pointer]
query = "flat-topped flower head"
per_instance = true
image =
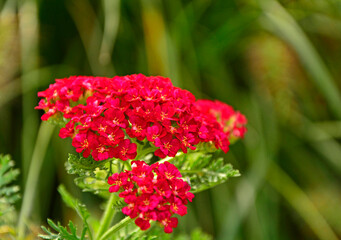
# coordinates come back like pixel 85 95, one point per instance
pixel 152 193
pixel 102 114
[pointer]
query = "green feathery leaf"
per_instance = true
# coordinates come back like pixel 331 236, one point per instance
pixel 118 205
pixel 62 232
pixel 76 205
pixel 96 184
pixel 9 194
pixel 202 171
pixel 83 166
pixel 92 174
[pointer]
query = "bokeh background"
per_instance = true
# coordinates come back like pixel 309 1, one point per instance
pixel 278 62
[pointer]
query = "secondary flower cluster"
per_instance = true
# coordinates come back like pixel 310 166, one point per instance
pixel 103 115
pixel 153 192
pixel 232 122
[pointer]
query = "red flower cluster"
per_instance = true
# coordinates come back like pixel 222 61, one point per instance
pixel 103 114
pixel 231 122
pixel 153 192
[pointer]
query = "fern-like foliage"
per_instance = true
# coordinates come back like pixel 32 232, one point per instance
pixel 96 184
pixel 83 166
pixel 119 204
pixel 92 175
pixel 62 232
pixel 9 193
pixel 203 171
pixel 76 205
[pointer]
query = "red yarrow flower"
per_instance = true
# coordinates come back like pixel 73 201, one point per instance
pixel 85 142
pixel 125 150
pixel 155 131
pixel 102 152
pixel 137 107
pixel 138 127
pixel 167 194
pixel 169 146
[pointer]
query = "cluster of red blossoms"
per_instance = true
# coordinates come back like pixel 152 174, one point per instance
pixel 102 115
pixel 233 123
pixel 153 192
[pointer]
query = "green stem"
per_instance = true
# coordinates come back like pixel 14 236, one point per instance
pixel 115 228
pixel 43 139
pixel 108 215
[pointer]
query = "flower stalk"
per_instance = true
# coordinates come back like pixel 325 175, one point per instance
pixel 108 215
pixel 125 221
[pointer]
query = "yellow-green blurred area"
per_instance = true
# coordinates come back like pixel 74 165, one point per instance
pixel 278 62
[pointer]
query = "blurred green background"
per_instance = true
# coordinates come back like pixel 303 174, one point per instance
pixel 278 62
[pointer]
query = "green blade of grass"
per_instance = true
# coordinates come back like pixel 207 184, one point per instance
pixel 111 10
pixel 297 198
pixel 42 142
pixel 86 21
pixel 261 148
pixel 28 29
pixel 319 139
pixel 155 36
